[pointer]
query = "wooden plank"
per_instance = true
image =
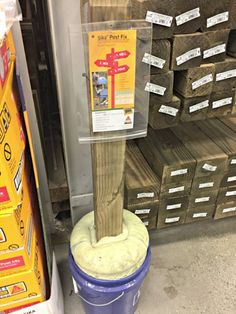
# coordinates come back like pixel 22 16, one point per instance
pixel 221 104
pixel 162 50
pixel 186 51
pixel 174 204
pixel 203 184
pixel 210 9
pixel 194 109
pixel 225 75
pixel 165 82
pixel 211 160
pixel 141 184
pixel 225 210
pixel 215 46
pixel 169 219
pixel 164 115
pixel 195 82
pixel 223 136
pixel 231 48
pixel 193 19
pixel 167 156
pixel 175 189
pixel 229 179
pixel 233 14
pixel 226 194
pixel 205 198
pixel 203 213
pixel 165 7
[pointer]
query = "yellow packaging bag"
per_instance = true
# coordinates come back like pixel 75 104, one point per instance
pixel 12 145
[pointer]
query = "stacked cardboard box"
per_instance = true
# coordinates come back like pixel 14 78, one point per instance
pixel 189 40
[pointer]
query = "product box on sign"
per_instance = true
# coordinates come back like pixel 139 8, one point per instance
pixel 12 145
pixel 27 286
pixel 16 231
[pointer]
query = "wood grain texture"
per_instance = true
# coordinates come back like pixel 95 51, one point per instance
pixel 185 81
pixel 233 14
pixel 213 40
pixel 229 179
pixel 165 80
pixel 222 111
pixel 194 215
pixel 187 105
pixel 231 48
pixel 204 150
pixel 160 120
pixel 183 44
pixel 225 210
pixel 166 7
pixel 175 189
pixel 204 198
pixel 206 184
pixel 227 194
pixel 141 184
pixel 164 219
pixel 210 8
pixel 223 136
pixel 183 6
pixel 165 153
pixel 228 83
pixel 174 204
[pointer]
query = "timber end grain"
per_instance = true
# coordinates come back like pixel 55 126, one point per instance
pixel 166 82
pixel 225 210
pixel 231 50
pixel 221 104
pixel 194 109
pixel 205 212
pixel 174 204
pixel 225 75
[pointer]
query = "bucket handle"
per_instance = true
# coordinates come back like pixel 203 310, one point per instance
pixel 120 296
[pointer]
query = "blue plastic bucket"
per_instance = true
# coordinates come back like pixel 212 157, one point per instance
pixel 109 296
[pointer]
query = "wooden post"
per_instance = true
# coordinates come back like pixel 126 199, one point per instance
pixel 108 158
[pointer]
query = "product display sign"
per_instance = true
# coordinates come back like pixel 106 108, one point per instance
pixel 112 71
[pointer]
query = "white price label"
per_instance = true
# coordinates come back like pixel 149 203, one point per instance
pixel 222 102
pixel 191 54
pixel 171 220
pixel 147 195
pixel 233 162
pixel 169 110
pixel 199 106
pixel 231 179
pixel 209 167
pixel 156 89
pixel 214 51
pixel 206 185
pixel 230 193
pixel 217 19
pixel 202 81
pixel 154 61
pixel 146 223
pixel 229 210
pixel 199 215
pixel 202 199
pixel 178 189
pixel 178 172
pixel 142 211
pixel 187 16
pixel 160 19
pixel 174 206
pixel 225 75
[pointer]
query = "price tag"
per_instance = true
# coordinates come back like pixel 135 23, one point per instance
pixel 142 211
pixel 154 61
pixel 191 54
pixel 178 172
pixel 155 89
pixel 225 75
pixel 187 16
pixel 168 110
pixel 230 193
pixel 175 206
pixel 175 190
pixel 228 210
pixel 209 167
pixel 199 106
pixel 231 179
pixel 222 102
pixel 146 223
pixel 199 215
pixel 159 19
pixel 233 162
pixel 206 185
pixel 217 19
pixel 203 81
pixel 202 199
pixel 214 51
pixel 147 195
pixel 171 220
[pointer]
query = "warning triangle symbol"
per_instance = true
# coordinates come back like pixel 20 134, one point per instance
pixel 16 289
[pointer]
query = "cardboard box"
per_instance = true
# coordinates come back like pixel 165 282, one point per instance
pixel 12 145
pixel 27 286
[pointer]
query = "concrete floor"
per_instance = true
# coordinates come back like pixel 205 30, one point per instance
pixel 193 271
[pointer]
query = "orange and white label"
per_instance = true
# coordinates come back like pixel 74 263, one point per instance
pixel 11 290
